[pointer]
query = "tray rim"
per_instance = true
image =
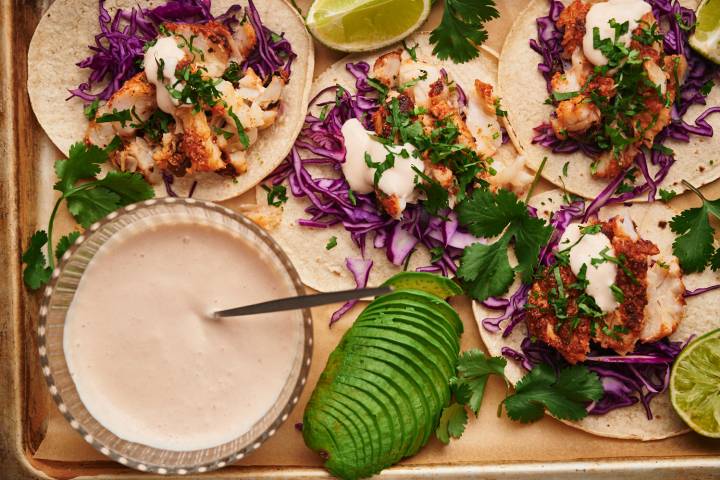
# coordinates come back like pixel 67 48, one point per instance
pixel 15 453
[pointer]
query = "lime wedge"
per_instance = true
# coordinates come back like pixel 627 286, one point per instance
pixel 430 283
pixel 706 39
pixel 695 385
pixel 363 25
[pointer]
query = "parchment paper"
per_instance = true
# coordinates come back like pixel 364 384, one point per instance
pixel 487 439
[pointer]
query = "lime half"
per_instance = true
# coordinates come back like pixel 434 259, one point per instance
pixel 430 283
pixel 706 39
pixel 363 25
pixel 695 385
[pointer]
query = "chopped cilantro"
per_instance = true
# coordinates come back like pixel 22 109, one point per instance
pixel 332 243
pixel 276 195
pixel 380 167
pixel 667 195
pixel 242 135
pixel 617 293
pixel 91 109
pixel 122 116
pixel 233 73
pixel 411 50
pixel 560 96
pixel 707 87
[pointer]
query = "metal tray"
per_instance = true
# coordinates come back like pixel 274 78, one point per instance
pixel 492 448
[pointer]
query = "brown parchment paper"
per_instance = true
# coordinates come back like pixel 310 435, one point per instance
pixel 487 440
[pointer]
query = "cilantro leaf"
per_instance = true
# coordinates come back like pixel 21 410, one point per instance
pixel 64 243
pixel 462 29
pixel 474 368
pixel 90 205
pixel 530 236
pixel 130 187
pixel 83 162
pixel 485 269
pixel 693 246
pixel 452 422
pixel 487 214
pixel 36 272
pixel 564 395
pixel 715 261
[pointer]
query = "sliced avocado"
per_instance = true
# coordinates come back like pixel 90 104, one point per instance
pixel 358 403
pixel 437 285
pixel 389 429
pixel 398 371
pixel 324 420
pixel 433 315
pixel 333 400
pixel 407 361
pixel 432 342
pixel 420 348
pixel 396 391
pixel 422 317
pixel 432 301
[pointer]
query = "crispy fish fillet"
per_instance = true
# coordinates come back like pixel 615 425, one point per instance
pixel 572 20
pixel 623 326
pixel 651 309
pixel 572 343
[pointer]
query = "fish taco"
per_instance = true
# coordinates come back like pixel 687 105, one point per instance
pixel 610 295
pixel 202 99
pixel 392 143
pixel 613 95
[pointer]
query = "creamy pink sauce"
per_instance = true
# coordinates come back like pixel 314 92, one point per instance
pixel 149 362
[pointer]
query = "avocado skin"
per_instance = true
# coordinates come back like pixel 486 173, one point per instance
pixel 385 383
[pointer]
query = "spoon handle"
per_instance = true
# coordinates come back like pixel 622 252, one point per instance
pixel 303 301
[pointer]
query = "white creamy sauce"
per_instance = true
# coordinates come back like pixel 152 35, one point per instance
pixel 149 362
pixel 399 180
pixel 411 70
pixel 600 15
pixel 600 277
pixel 165 50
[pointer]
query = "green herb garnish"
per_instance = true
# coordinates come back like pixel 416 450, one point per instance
pixel 87 202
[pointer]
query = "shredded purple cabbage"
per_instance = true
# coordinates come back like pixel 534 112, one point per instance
pixel 331 203
pixel 675 41
pixel 360 269
pixel 637 377
pixel 700 291
pixel 119 47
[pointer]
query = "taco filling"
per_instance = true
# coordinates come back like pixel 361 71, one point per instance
pixel 202 95
pixel 620 78
pixel 607 286
pixel 427 141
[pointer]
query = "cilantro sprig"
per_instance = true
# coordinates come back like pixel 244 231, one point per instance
pixel 88 200
pixel 693 245
pixel 564 394
pixel 485 267
pixel 462 29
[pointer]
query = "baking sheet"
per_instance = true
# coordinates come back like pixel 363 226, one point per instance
pixel 488 445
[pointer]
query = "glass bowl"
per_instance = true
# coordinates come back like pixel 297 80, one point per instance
pixel 59 294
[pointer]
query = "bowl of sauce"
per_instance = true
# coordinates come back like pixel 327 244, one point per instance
pixel 134 358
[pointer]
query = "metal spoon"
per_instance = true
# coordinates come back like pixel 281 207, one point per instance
pixel 302 301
